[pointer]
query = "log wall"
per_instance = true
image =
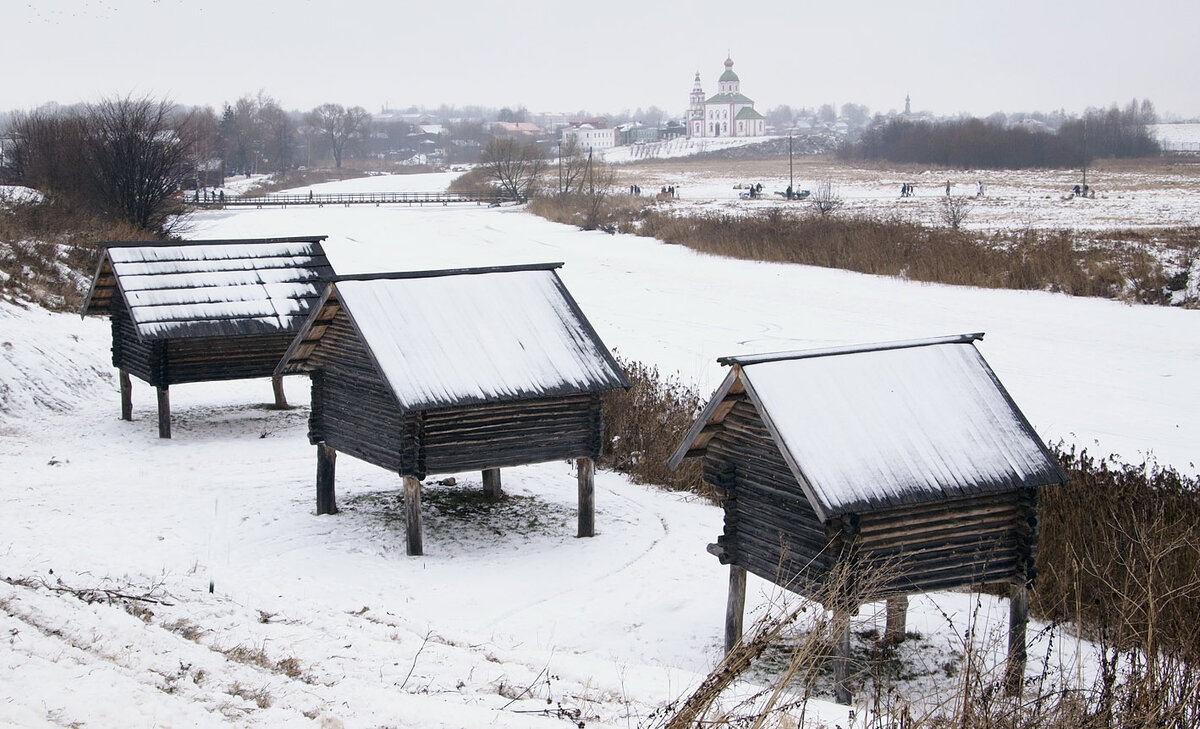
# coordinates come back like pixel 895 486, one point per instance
pixel 207 359
pixel 355 412
pixel 141 359
pixel 771 529
pixel 197 359
pixel 953 543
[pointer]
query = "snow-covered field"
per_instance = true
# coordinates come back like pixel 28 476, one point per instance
pixel 508 620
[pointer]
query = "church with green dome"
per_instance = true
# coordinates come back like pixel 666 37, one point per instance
pixel 728 113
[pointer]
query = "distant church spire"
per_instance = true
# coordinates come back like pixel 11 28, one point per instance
pixel 907 105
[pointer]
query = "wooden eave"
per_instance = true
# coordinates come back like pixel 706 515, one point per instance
pixel 100 292
pixel 708 423
pixel 295 359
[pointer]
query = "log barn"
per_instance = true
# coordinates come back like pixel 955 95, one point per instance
pixel 204 310
pixel 453 370
pixel 908 461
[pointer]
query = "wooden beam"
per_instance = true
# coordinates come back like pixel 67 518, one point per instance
pixel 587 497
pixel 1018 620
pixel 897 619
pixel 164 412
pixel 735 607
pixel 326 462
pixel 491 483
pixel 126 396
pixel 412 509
pixel 280 395
pixel 841 659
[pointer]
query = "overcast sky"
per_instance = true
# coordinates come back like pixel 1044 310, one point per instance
pixel 950 56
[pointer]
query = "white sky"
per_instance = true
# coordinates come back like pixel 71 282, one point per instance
pixel 1019 55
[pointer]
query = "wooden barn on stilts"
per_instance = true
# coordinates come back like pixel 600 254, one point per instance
pixel 453 370
pixel 907 461
pixel 204 310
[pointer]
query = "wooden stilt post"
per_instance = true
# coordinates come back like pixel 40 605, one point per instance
pixel 412 509
pixel 326 472
pixel 280 395
pixel 897 619
pixel 1018 620
pixel 735 608
pixel 164 412
pixel 587 497
pixel 126 396
pixel 491 483
pixel 841 658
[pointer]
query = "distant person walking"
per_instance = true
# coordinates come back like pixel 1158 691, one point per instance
pixel 947 188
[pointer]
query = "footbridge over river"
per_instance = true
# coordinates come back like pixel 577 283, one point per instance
pixel 348 198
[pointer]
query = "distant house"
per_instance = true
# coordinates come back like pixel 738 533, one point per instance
pixel 447 371
pixel 907 459
pixel 635 132
pixel 198 311
pixel 517 129
pixel 590 136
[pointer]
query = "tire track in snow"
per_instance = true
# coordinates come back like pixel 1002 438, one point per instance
pixel 592 583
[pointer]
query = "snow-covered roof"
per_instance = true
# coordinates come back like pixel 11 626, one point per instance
pixel 449 338
pixel 211 288
pixel 865 428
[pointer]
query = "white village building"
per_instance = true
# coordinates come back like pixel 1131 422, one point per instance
pixel 727 114
pixel 589 136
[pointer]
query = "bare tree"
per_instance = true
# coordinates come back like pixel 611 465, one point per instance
pixel 825 199
pixel 572 163
pixel 515 167
pixel 43 152
pixel 954 211
pixel 339 126
pixel 137 156
pixel 279 136
pixel 595 187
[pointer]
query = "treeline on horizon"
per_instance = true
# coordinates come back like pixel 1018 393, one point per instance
pixel 1111 133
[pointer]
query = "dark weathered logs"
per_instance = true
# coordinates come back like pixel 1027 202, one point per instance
pixel 1018 620
pixel 164 412
pixel 587 497
pixel 735 606
pixel 491 483
pixel 326 472
pixel 280 395
pixel 412 512
pixel 841 659
pixel 126 396
pixel 897 619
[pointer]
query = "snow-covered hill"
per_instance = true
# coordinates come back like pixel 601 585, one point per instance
pixel 508 620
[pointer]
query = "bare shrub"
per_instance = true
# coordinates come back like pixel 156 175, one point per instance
pixel 645 424
pixel 1120 551
pixel 825 199
pixel 954 211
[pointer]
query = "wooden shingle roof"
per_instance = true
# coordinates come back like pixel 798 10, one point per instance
pixel 449 338
pixel 881 426
pixel 210 288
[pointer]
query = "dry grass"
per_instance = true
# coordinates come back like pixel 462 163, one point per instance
pixel 1103 265
pixel 48 252
pixel 645 424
